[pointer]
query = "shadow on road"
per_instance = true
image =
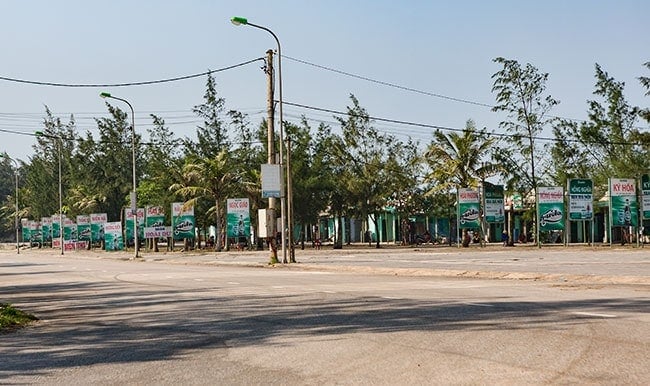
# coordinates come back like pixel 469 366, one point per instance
pixel 116 322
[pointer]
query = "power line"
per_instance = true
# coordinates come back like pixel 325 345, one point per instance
pixel 455 129
pixel 393 85
pixel 410 89
pixel 149 82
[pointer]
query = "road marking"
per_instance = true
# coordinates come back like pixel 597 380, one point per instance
pixel 330 292
pixel 594 314
pixel 478 304
pixel 198 279
pixel 233 282
pixel 390 297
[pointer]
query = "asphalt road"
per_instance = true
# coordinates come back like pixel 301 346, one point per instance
pixel 435 316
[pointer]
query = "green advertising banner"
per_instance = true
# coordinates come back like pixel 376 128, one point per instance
pixel 238 217
pixel 69 230
pixel 155 216
pixel 46 228
pixel 551 208
pixel 581 199
pixel 35 234
pixel 97 221
pixel 56 227
pixel 622 202
pixel 83 228
pixel 182 221
pixel 128 215
pixel 25 226
pixel 113 240
pixel 494 209
pixel 645 196
pixel 468 209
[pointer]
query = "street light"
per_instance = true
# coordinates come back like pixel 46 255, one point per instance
pixel 134 205
pixel 285 210
pixel 59 143
pixel 16 223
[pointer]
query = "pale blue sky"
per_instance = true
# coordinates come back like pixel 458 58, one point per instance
pixel 438 47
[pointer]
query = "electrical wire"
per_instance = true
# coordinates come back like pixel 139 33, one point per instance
pixel 149 82
pixel 393 85
pixel 455 129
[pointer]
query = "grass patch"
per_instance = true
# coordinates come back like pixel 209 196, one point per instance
pixel 12 318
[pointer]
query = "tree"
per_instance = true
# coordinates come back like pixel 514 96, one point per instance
pixel 309 173
pixel 211 180
pixel 607 144
pixel 111 163
pixel 459 159
pixel 521 94
pixel 368 165
pixel 211 137
pixel 42 172
pixel 645 82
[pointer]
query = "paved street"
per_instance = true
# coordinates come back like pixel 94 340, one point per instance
pixel 354 316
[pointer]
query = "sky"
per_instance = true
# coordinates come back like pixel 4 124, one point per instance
pixel 426 62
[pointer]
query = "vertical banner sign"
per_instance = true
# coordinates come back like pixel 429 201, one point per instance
pixel 155 216
pixel 97 221
pixel 622 202
pixel 551 208
pixel 69 234
pixel 25 225
pixel 270 180
pixel 182 221
pixel 238 217
pixel 155 223
pixel 46 228
pixel 128 215
pixel 69 229
pixel 56 227
pixel 35 233
pixel 581 199
pixel 645 191
pixel 84 232
pixel 468 208
pixel 494 210
pixel 113 240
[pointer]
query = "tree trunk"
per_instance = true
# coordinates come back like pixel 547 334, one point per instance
pixel 338 242
pixel 218 245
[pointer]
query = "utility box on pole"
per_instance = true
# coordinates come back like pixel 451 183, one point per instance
pixel 266 222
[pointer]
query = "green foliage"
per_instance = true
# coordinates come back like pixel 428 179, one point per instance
pixel 521 94
pixel 460 159
pixel 606 145
pixel 211 137
pixel 11 318
pixel 370 167
pixel 645 82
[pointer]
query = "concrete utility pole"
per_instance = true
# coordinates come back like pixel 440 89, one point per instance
pixel 270 142
pixel 292 251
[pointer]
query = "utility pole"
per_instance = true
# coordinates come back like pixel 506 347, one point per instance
pixel 292 251
pixel 270 142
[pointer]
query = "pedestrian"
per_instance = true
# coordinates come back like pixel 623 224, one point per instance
pixel 504 238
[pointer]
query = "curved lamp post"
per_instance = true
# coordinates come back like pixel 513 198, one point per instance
pixel 16 222
pixel 134 205
pixel 284 214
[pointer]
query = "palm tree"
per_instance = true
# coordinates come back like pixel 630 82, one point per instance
pixel 212 179
pixel 457 159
